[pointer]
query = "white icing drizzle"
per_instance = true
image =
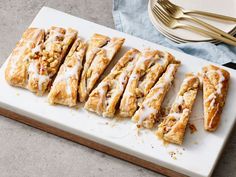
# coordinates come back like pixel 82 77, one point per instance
pixel 52 38
pixel 41 78
pixel 186 80
pixel 168 75
pixel 163 59
pixel 212 120
pixel 120 85
pixel 37 48
pixel 101 92
pixel 212 97
pixel 110 48
pixel 134 74
pixel 93 77
pixel 70 72
pixel 21 51
pixel 160 85
pixel 125 72
pixel 179 100
pixel 143 58
pixel 122 80
pixel 92 52
pixel 14 58
pixel 146 111
pixel 176 115
pixel 221 79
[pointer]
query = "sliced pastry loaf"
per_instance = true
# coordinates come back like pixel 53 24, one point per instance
pixel 147 114
pixel 104 98
pixel 172 128
pixel 149 67
pixel 101 51
pixel 16 72
pixel 65 86
pixel 46 60
pixel 37 57
pixel 215 87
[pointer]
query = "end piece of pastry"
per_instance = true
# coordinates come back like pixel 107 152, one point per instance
pixel 46 60
pixel 215 87
pixel 104 98
pixel 151 64
pixel 101 51
pixel 16 72
pixel 147 114
pixel 65 86
pixel 172 128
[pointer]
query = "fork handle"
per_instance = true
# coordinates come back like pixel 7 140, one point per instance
pixel 210 27
pixel 208 33
pixel 209 14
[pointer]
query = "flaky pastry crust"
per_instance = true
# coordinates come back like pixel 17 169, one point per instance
pixel 101 51
pixel 215 88
pixel 172 128
pixel 104 98
pixel 65 86
pixel 147 114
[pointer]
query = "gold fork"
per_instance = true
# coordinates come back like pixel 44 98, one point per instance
pixel 172 23
pixel 178 13
pixel 209 14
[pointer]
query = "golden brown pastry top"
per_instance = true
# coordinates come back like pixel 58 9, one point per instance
pixel 215 87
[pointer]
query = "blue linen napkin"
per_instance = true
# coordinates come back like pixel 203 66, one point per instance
pixel 131 16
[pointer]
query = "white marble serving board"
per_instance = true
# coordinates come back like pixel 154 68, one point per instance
pixel 200 151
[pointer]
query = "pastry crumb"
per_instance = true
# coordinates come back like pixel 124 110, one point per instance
pixel 76 107
pixel 173 155
pixel 164 111
pixel 192 128
pixel 165 143
pixel 195 142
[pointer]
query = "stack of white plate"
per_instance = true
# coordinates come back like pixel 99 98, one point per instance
pixel 226 7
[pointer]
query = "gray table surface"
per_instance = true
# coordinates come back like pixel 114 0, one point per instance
pixel 26 151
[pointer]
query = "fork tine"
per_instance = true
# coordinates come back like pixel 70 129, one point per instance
pixel 159 16
pixel 166 15
pixel 167 6
pixel 170 3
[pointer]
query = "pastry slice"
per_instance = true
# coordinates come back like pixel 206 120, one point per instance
pixel 151 64
pixel 172 128
pixel 104 98
pixel 215 87
pixel 147 114
pixel 16 73
pixel 46 61
pixel 65 86
pixel 155 71
pixel 101 51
